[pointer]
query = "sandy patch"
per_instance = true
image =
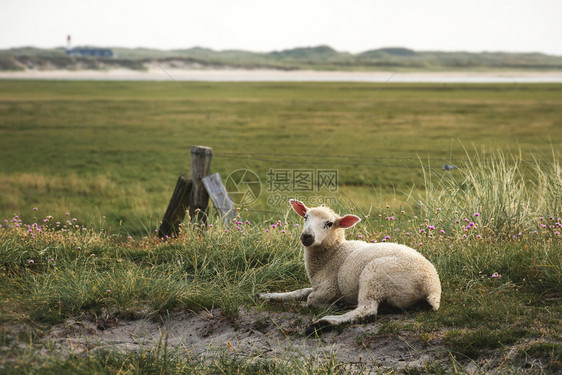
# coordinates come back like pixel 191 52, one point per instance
pixel 157 73
pixel 254 335
pixel 262 335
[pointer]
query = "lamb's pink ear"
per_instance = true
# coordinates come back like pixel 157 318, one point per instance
pixel 348 221
pixel 298 206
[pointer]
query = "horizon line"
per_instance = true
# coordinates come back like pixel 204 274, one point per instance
pixel 285 49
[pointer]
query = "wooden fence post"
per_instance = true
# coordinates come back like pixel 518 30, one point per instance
pixel 200 167
pixel 176 209
pixel 222 202
pixel 193 195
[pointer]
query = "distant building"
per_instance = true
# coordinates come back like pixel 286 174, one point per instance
pixel 89 52
pixel 98 52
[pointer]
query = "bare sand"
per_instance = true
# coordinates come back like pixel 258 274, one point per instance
pixel 156 73
pixel 266 336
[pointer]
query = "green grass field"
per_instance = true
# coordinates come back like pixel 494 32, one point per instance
pixel 110 152
pixel 86 164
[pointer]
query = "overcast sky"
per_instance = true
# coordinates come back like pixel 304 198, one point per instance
pixel 348 25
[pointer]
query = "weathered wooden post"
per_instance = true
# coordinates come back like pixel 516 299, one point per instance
pixel 200 167
pixel 176 208
pixel 193 195
pixel 222 202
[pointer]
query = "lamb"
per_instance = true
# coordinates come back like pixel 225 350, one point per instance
pixel 356 272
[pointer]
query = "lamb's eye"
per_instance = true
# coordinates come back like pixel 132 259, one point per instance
pixel 328 224
pixel 306 218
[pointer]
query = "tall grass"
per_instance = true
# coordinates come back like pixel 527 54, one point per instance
pixel 511 194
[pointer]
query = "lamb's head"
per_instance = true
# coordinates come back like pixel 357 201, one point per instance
pixel 321 224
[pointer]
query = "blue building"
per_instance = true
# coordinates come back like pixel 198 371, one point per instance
pixel 87 51
pixel 95 52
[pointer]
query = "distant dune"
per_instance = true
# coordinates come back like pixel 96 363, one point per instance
pixel 319 58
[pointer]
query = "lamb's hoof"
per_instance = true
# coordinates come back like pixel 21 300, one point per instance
pixel 264 297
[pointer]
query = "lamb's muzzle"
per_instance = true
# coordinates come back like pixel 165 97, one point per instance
pixel 356 272
pixel 307 239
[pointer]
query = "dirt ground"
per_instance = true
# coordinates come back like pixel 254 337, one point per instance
pixel 264 335
pixel 274 335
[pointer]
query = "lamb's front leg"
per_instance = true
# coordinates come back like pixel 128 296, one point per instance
pixel 297 295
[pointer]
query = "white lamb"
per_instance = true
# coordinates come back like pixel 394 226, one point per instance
pixel 356 272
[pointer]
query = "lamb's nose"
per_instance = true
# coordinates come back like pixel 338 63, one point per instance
pixel 307 239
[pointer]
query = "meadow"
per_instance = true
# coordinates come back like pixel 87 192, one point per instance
pixel 110 152
pixel 87 169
